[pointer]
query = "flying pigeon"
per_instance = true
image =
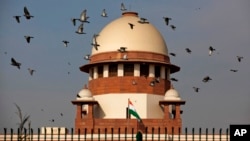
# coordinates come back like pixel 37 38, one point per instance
pixel 17 18
pixel 123 7
pixel 52 120
pixel 104 14
pixel 83 16
pixel 95 44
pixel 206 79
pixel 74 21
pixel 173 54
pixel 239 58
pixel 173 27
pixel 61 114
pixel 174 79
pixel 28 38
pixel 211 50
pixel 27 14
pixel 65 43
pixel 15 63
pixel 87 57
pixel 122 49
pixel 188 50
pixel 131 25
pixel 166 19
pixel 80 29
pixel 31 71
pixel 233 70
pixel 143 21
pixel 196 89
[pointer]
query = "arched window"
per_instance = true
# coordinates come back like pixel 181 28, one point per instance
pixel 113 70
pixel 128 69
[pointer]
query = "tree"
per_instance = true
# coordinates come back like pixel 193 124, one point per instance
pixel 21 125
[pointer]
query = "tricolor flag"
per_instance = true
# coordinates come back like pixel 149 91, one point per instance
pixel 132 111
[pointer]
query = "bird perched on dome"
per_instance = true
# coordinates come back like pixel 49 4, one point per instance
pixel 87 57
pixel 122 49
pixel 26 13
pixel 206 79
pixel 15 63
pixel 143 21
pixel 131 25
pixel 17 18
pixel 211 50
pixel 104 13
pixel 167 19
pixel 173 54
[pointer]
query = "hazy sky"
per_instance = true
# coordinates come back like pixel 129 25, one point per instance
pixel 223 24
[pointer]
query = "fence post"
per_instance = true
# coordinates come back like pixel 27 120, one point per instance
pixel 227 134
pixel 125 133
pixel 152 130
pixel 38 132
pixel 179 134
pixel 132 134
pixel 5 133
pixel 105 133
pixel 192 134
pixel 11 134
pixel 92 132
pixel 51 135
pixel 45 134
pixel 186 130
pixel 72 130
pixel 99 132
pixel 213 134
pixel 166 132
pixel 59 130
pixel 146 134
pixel 18 134
pixel 206 133
pixel 200 134
pixel 220 133
pixel 112 133
pixel 78 132
pixel 65 135
pixel 159 132
pixel 85 134
pixel 31 134
pixel 172 133
pixel 119 134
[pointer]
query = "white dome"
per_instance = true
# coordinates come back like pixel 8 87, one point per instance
pixel 143 37
pixel 172 94
pixel 85 94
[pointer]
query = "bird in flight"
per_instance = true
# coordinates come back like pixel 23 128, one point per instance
pixel 104 14
pixel 211 50
pixel 173 27
pixel 94 43
pixel 233 70
pixel 206 79
pixel 17 18
pixel 15 63
pixel 28 38
pixel 188 50
pixel 173 54
pixel 65 43
pixel 84 17
pixel 31 71
pixel 131 25
pixel 239 58
pixel 80 29
pixel 87 57
pixel 26 13
pixel 73 20
pixel 174 79
pixel 196 89
pixel 167 19
pixel 123 7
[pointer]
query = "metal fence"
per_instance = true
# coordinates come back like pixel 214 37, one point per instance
pixel 153 134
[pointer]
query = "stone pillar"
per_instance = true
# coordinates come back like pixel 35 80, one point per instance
pixel 105 71
pixel 136 69
pixel 151 70
pixel 120 70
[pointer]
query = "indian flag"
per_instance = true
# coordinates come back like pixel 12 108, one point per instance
pixel 132 111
